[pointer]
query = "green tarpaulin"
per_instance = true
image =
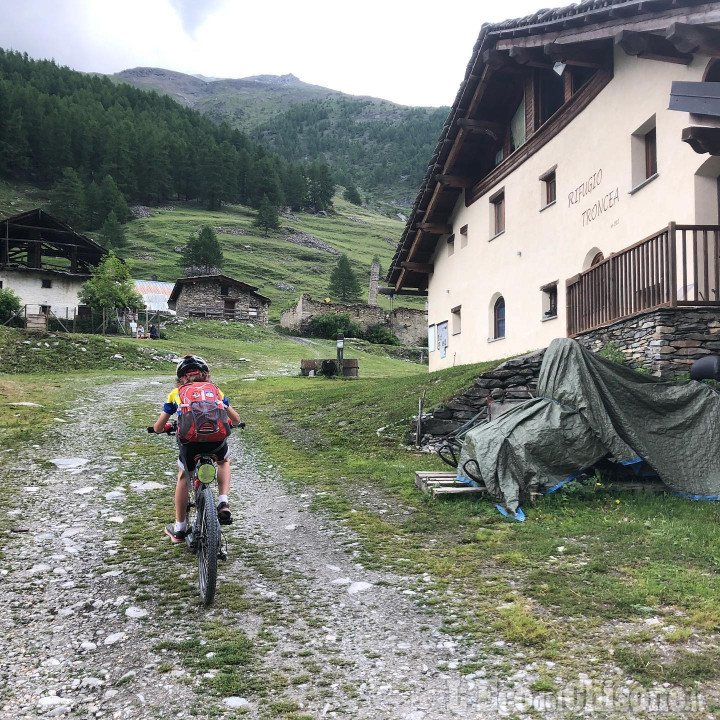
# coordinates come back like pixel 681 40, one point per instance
pixel 590 408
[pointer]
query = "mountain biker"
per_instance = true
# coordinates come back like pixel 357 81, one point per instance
pixel 193 369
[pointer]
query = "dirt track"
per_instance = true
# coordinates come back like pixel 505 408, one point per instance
pixel 81 630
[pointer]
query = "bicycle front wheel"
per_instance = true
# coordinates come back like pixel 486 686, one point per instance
pixel 208 539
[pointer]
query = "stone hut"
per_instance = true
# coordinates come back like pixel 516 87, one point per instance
pixel 218 297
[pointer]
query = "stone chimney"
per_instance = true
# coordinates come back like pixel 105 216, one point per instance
pixel 374 280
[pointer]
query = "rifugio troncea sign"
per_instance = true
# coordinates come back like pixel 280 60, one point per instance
pixel 601 205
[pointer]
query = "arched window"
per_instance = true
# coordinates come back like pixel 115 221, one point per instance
pixel 499 318
pixel 712 72
pixel 599 257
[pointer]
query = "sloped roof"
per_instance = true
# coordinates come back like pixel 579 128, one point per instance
pixel 581 18
pixel 223 278
pixel 58 240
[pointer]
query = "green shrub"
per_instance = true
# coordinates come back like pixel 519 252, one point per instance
pixel 10 304
pixel 611 351
pixel 330 324
pixel 380 335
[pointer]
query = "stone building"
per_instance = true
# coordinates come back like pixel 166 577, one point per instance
pixel 45 262
pixel 218 297
pixel 575 187
pixel 409 325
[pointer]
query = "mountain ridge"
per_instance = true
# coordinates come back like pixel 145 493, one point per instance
pixel 373 143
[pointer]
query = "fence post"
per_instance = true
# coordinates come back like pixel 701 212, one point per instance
pixel 673 265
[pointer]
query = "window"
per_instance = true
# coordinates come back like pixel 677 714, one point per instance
pixel 451 245
pixel 45 309
pixel 549 300
pixel 517 127
pixel 597 259
pixel 549 188
pixel 224 290
pixel 650 154
pixel 253 312
pixel 550 94
pixel 497 213
pixel 1 282
pixel 463 236
pixel 455 320
pixel 432 346
pixel 46 283
pixel 499 318
pixel 643 152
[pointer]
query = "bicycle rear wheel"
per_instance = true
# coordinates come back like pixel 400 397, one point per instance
pixel 208 539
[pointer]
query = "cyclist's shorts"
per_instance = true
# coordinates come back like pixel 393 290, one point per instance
pixel 188 452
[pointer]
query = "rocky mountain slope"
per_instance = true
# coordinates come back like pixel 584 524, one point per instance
pixel 378 145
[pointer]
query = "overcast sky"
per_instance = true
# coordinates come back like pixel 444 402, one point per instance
pixel 409 51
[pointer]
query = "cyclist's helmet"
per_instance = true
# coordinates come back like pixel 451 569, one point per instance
pixel 191 364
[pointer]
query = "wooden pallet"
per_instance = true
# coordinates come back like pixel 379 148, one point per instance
pixel 438 484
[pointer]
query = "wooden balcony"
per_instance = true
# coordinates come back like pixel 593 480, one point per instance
pixel 677 266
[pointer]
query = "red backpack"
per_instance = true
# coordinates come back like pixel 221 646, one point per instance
pixel 203 417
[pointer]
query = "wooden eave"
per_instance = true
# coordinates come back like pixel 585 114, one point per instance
pixel 572 34
pixel 702 139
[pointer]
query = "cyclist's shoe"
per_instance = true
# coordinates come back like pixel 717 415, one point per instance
pixel 177 536
pixel 223 513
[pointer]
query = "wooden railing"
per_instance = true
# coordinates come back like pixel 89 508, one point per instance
pixel 679 265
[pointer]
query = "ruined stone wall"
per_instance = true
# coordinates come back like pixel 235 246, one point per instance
pixel 409 325
pixel 204 298
pixel 665 341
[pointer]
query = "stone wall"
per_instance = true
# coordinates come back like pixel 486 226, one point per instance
pixel 409 325
pixel 665 342
pixel 513 380
pixel 203 298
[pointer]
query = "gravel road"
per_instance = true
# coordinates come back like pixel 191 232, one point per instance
pixel 80 638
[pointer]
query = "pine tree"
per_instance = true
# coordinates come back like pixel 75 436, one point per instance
pixel 321 187
pixel 352 195
pixel 93 206
pixel 267 217
pixel 112 200
pixel 67 198
pixel 294 186
pixel 112 232
pixel 202 253
pixel 344 284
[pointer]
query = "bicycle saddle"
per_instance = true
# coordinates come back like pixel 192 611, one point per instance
pixel 706 368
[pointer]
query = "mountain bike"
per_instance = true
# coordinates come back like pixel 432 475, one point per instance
pixel 204 536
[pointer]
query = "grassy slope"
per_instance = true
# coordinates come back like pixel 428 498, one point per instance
pixel 572 585
pixel 235 349
pixel 269 260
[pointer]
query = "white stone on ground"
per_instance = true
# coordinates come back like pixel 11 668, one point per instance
pixel 358 587
pixel 235 702
pixel 68 463
pixel 114 638
pixel 135 612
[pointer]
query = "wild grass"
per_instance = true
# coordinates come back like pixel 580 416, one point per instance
pixel 580 563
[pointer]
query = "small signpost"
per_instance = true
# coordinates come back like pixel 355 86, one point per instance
pixel 340 349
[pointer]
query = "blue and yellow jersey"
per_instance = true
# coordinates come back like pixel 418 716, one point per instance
pixel 172 404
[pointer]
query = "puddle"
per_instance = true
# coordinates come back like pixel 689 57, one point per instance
pixel 69 463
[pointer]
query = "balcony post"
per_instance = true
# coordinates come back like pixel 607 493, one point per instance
pixel 673 264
